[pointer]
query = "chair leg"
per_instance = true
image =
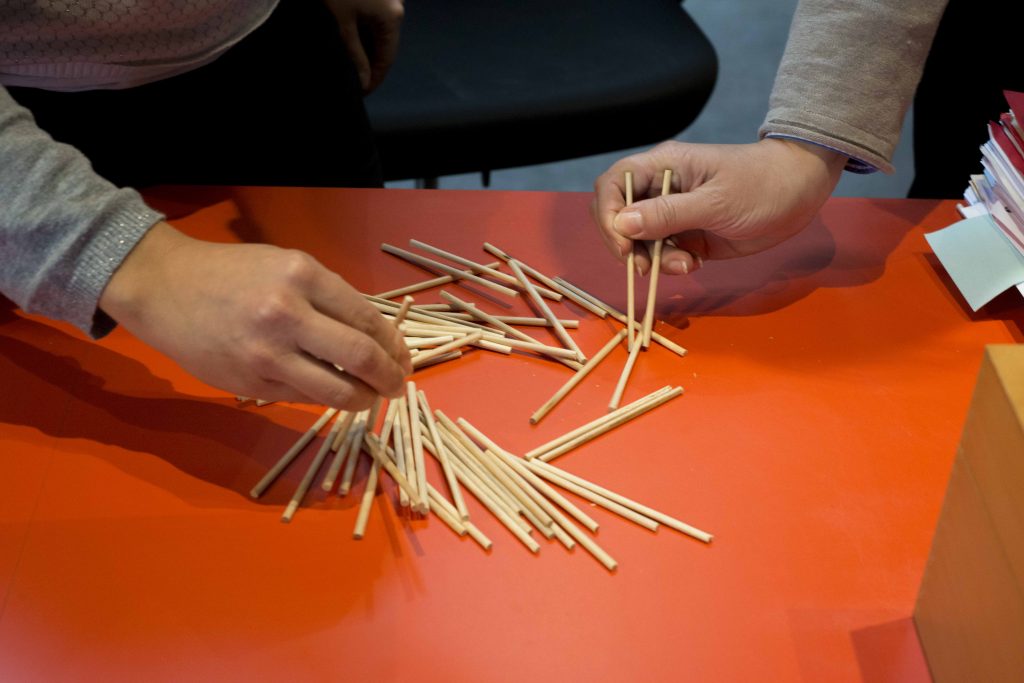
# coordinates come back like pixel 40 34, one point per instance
pixel 426 183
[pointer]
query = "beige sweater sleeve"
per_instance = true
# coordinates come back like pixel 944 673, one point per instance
pixel 849 73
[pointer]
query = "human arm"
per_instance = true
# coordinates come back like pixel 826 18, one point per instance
pixel 370 30
pixel 251 319
pixel 845 81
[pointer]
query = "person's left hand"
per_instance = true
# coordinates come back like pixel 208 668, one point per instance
pixel 370 30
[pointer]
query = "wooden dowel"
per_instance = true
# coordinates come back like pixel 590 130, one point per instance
pixel 630 272
pixel 481 269
pixel 593 497
pixel 400 437
pixel 372 442
pixel 612 423
pixel 427 342
pixel 467 467
pixel 477 535
pixel 645 510
pixel 444 514
pixel 652 290
pixel 403 311
pixel 426 284
pixel 504 517
pixel 307 481
pixel 493 346
pixel 462 456
pixel 339 432
pixel 661 339
pixel 448 270
pixel 355 447
pixel 582 429
pixel 545 311
pixel 292 453
pixel 425 316
pixel 413 401
pixel 366 502
pixel 535 322
pixel 444 358
pixel 541 278
pixel 577 378
pixel 491 463
pixel 501 325
pixel 519 465
pixel 620 387
pixel 442 457
pixel 445 348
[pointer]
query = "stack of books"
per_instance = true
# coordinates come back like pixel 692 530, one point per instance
pixel 984 253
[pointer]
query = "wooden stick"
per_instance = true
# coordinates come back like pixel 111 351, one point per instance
pixel 501 325
pixel 400 438
pixel 442 458
pixel 630 272
pixel 420 359
pixel 291 453
pixel 490 462
pixel 652 290
pixel 535 322
pixel 355 447
pixel 610 424
pixel 339 431
pixel 445 513
pixel 477 535
pixel 661 339
pixel 413 402
pixel 467 467
pixel 593 497
pixel 427 342
pixel 443 358
pixel 545 311
pixel 426 284
pixel 582 429
pixel 403 310
pixel 660 517
pixel 540 277
pixel 366 503
pixel 480 269
pixel 377 451
pixel 577 378
pixel 307 481
pixel 454 272
pixel 623 378
pixel 519 465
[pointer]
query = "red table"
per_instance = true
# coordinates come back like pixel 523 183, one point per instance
pixel 826 387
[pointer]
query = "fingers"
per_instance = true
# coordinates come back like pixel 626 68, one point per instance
pixel 323 384
pixel 385 42
pixel 360 356
pixel 357 53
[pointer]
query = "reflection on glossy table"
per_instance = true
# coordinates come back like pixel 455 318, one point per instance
pixel 826 387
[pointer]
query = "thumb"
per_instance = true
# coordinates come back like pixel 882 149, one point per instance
pixel 661 217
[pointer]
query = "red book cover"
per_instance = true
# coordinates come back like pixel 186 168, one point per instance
pixel 1016 102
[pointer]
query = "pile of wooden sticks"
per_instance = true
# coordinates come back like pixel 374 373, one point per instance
pixel 519 491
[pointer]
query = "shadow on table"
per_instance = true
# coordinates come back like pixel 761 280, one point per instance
pixel 70 388
pixel 890 653
pixel 1008 307
pixel 845 246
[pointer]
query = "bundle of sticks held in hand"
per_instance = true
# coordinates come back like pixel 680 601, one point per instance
pixel 519 491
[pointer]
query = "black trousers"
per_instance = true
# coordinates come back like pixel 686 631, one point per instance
pixel 282 107
pixel 976 55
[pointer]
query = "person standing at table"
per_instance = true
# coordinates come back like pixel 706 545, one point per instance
pixel 97 96
pixel 845 82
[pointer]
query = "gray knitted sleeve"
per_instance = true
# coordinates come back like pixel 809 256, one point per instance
pixel 63 229
pixel 849 73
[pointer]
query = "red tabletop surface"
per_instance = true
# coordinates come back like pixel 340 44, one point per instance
pixel 826 387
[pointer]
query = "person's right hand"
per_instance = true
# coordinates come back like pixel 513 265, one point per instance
pixel 726 201
pixel 256 320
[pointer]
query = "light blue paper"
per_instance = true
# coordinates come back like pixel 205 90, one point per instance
pixel 979 257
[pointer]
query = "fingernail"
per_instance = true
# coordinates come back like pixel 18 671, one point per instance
pixel 676 267
pixel 628 223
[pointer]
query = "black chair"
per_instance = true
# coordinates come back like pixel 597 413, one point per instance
pixel 487 84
